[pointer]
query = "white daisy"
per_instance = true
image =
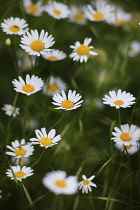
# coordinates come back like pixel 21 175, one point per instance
pixel 14 26
pixel 134 48
pixel 101 12
pixel 36 44
pixel 0 194
pixel 82 51
pixel 54 55
pixel 31 8
pixel 127 135
pixel 67 103
pixel 119 17
pixel 57 182
pixel 44 139
pixel 77 15
pixel 86 184
pixel 19 172
pixel 28 87
pixel 21 161
pixel 11 110
pixel 53 85
pixel 119 99
pixel 131 149
pixel 57 10
pixel 20 149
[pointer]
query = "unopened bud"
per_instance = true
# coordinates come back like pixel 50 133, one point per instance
pixel 8 42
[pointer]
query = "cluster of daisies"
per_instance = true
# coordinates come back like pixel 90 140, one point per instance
pixel 126 137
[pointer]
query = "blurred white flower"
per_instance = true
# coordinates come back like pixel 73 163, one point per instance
pixel 34 9
pixel 54 55
pixel 11 110
pixel 130 149
pixel 77 15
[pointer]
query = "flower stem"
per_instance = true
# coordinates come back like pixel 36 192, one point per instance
pixel 38 158
pixel 119 117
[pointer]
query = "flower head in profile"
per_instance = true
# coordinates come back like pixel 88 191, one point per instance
pixel 77 15
pixel 102 11
pixel 29 86
pixel 126 135
pixel 19 172
pixel 86 184
pixel 14 26
pixel 34 9
pixel 119 99
pixel 11 110
pixel 67 103
pixel 54 55
pixel 82 51
pixel 59 183
pixel 53 85
pixel 57 10
pixel 36 44
pixel 20 149
pixel 44 139
pixel 131 149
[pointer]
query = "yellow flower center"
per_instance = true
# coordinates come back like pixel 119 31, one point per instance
pixel 52 58
pixel 46 141
pixel 53 88
pixel 20 174
pixel 128 147
pixel 98 16
pixel 28 88
pixel 61 183
pixel 33 9
pixel 37 46
pixel 79 16
pixel 86 182
pixel 11 110
pixel 20 152
pixel 57 12
pixel 118 102
pixel 120 22
pixel 125 137
pixel 14 28
pixel 83 50
pixel 67 104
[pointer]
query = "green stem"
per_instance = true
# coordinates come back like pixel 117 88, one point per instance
pixel 134 108
pixel 38 158
pixel 91 200
pixel 56 122
pixel 119 117
pixel 8 9
pixel 21 8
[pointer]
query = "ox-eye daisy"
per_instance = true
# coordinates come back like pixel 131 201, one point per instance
pixel 32 8
pixel 134 48
pixel 14 26
pixel 10 110
pixel 36 44
pixel 131 149
pixel 119 99
pixel 101 12
pixel 67 103
pixel 20 149
pixel 57 10
pixel 86 184
pixel 53 85
pixel 77 15
pixel 54 55
pixel 28 87
pixel 126 135
pixel 44 139
pixel 19 172
pixel 82 51
pixel 57 182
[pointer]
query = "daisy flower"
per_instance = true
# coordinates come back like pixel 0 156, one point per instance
pixel 54 55
pixel 20 149
pixel 82 51
pixel 22 161
pixel 86 184
pixel 57 10
pixel 119 99
pixel 101 12
pixel 126 135
pixel 32 8
pixel 28 87
pixel 53 85
pixel 19 172
pixel 36 44
pixel 57 182
pixel 44 139
pixel 131 149
pixel 134 49
pixel 67 103
pixel 14 26
pixel 77 15
pixel 11 110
